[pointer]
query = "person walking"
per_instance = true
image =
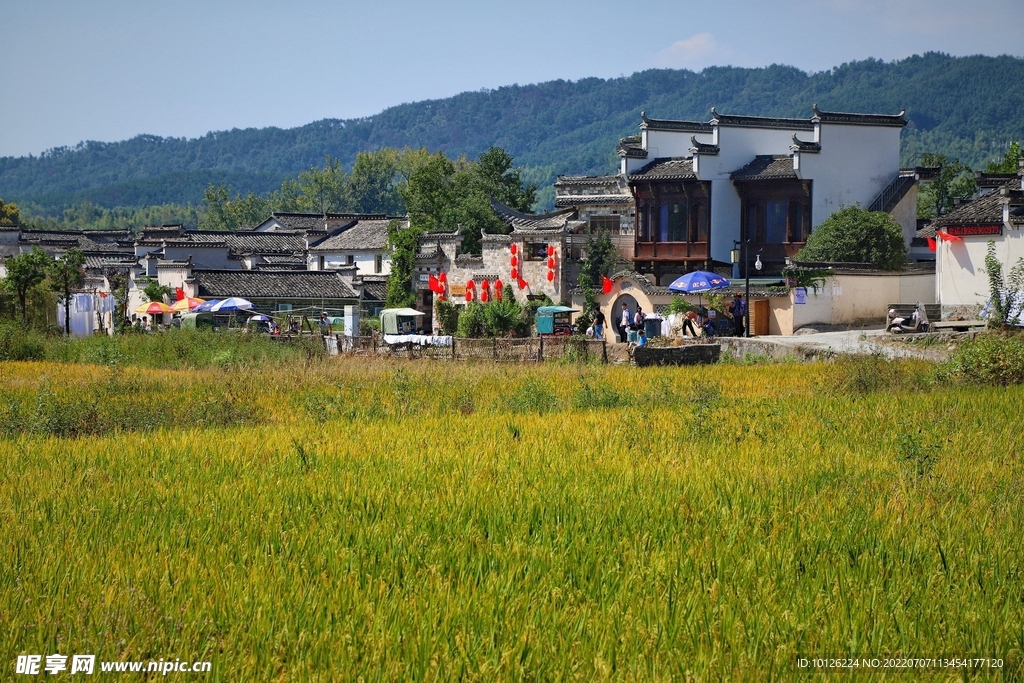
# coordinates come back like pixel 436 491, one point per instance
pixel 598 324
pixel 624 323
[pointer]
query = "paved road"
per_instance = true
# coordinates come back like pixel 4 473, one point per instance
pixel 865 340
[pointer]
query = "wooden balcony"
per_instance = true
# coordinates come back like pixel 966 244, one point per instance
pixel 670 251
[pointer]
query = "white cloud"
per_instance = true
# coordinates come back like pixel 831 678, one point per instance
pixel 694 52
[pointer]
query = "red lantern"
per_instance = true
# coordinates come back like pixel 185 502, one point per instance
pixel 551 276
pixel 469 295
pixel 512 247
pixel 522 284
pixel 551 262
pixel 515 274
pixel 486 284
pixel 514 262
pixel 497 292
pixel 471 285
pixel 484 296
pixel 498 286
pixel 551 250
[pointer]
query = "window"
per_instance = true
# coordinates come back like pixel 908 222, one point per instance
pixel 536 251
pixel 349 259
pixel 609 224
pixel 776 211
pixel 777 221
pixel 674 221
pixel 284 307
pixel 378 263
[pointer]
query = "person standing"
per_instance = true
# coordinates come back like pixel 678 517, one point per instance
pixel 624 323
pixel 738 311
pixel 598 324
pixel 325 325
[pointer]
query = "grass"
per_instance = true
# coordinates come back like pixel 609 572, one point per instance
pixel 403 521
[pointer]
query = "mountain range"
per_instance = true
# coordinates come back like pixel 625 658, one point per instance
pixel 965 107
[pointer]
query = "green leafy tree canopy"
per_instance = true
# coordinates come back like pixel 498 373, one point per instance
pixel 855 235
pixel 25 271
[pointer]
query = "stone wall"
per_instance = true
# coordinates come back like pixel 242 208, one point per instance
pixel 691 354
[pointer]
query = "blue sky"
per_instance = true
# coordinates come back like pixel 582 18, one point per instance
pixel 110 69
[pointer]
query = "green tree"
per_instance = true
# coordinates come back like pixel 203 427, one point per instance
pixel 9 214
pixel 67 273
pixel 955 180
pixel 24 272
pixel 224 212
pixel 1006 293
pixel 320 190
pixel 154 291
pixel 373 184
pixel 856 235
pixel 1010 162
pixel 404 244
pixel 442 195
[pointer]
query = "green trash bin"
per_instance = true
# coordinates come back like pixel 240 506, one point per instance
pixel 652 328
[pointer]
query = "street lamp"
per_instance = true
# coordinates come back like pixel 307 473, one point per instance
pixel 742 250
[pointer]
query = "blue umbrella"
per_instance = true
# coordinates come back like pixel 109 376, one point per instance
pixel 206 306
pixel 698 281
pixel 232 305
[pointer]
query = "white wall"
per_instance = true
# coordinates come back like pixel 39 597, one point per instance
pixel 737 147
pixel 959 266
pixel 855 164
pixel 365 261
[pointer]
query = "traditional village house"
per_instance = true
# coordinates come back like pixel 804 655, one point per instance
pixel 531 259
pixel 604 205
pixel 961 242
pixel 361 242
pixel 700 186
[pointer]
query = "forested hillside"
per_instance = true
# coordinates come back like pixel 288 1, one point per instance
pixel 966 107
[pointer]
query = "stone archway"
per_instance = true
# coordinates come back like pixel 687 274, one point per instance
pixel 615 313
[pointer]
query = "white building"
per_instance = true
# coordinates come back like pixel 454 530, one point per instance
pixel 699 187
pixel 961 240
pixel 361 242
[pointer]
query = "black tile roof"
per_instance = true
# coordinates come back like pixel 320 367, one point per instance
pixel 767 167
pixel 986 210
pixel 592 199
pixel 804 146
pixel 896 120
pixel 631 148
pixel 375 287
pixel 667 168
pixel 239 242
pixel 530 222
pixel 698 147
pixel 261 284
pixel 364 235
pixel 667 124
pixel 586 180
pixel 760 121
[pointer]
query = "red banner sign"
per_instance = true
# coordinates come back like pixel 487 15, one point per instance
pixel 971 230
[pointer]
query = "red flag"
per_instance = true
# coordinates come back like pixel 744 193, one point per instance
pixel 946 237
pixel 606 285
pixel 179 293
pixel 931 243
pixel 432 283
pixel 522 283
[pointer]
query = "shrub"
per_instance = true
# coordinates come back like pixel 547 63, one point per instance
pixel 17 343
pixel 853 234
pixel 472 321
pixel 448 317
pixel 989 359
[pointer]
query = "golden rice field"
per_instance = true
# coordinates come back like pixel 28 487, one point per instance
pixel 356 520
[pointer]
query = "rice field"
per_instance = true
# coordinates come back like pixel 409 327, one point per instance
pixel 357 520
